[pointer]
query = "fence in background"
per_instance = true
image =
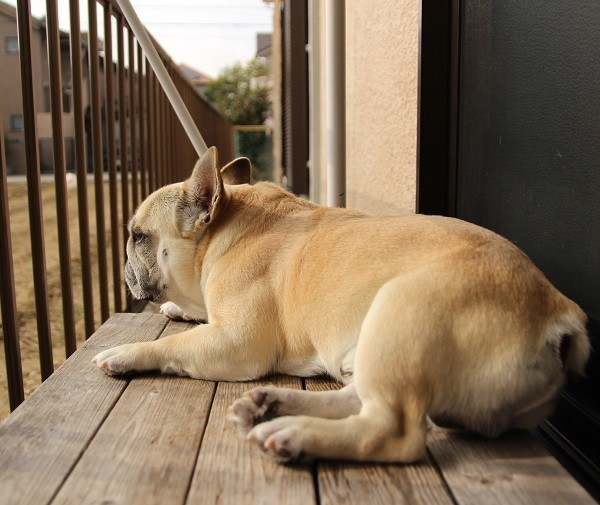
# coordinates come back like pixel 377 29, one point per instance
pixel 148 149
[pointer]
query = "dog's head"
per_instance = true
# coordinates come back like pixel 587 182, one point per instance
pixel 164 257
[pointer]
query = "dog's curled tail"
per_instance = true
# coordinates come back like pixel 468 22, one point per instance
pixel 567 334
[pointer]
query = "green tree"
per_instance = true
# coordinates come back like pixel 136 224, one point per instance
pixel 237 94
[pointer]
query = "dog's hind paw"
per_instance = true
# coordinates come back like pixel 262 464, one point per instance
pixel 281 440
pixel 256 406
pixel 241 414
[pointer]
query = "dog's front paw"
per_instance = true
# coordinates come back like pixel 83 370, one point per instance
pixel 173 311
pixel 124 359
pixel 256 406
pixel 281 439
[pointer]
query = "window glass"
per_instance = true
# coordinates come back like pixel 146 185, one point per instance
pixel 11 45
pixel 16 122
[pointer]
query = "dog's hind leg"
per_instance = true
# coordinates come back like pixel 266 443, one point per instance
pixel 375 434
pixel 389 377
pixel 265 403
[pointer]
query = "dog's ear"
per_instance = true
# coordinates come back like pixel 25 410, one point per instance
pixel 201 194
pixel 237 171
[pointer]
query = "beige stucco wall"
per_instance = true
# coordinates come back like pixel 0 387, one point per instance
pixel 381 100
pixel 381 82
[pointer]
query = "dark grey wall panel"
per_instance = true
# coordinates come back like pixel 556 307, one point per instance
pixel 529 133
pixel 528 167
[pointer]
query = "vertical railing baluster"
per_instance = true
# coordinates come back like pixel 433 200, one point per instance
pixel 123 137
pixel 163 137
pixel 183 161
pixel 60 175
pixel 132 118
pixel 10 329
pixel 157 120
pixel 96 117
pixel 36 221
pixel 150 121
pixel 115 231
pixel 81 169
pixel 168 144
pixel 173 148
pixel 142 125
pixel 132 157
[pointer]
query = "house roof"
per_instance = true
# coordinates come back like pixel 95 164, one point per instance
pixel 11 12
pixel 263 44
pixel 194 75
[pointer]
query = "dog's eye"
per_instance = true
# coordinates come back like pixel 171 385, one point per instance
pixel 138 237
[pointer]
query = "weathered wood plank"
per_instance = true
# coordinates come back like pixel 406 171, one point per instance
pixel 514 468
pixel 233 471
pixel 146 449
pixel 348 483
pixel 42 440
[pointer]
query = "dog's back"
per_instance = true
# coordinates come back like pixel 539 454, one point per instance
pixel 506 337
pixel 492 338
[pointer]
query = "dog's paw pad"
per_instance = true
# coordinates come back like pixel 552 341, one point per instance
pixel 256 406
pixel 241 414
pixel 280 447
pixel 280 441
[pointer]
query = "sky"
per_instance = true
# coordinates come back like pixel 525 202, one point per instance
pixel 209 35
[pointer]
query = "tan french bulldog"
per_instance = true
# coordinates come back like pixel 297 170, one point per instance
pixel 417 315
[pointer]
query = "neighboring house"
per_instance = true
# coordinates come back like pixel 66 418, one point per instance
pixel 10 84
pixel 10 90
pixel 199 79
pixel 264 52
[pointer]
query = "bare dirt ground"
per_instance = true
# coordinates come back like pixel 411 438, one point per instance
pixel 24 287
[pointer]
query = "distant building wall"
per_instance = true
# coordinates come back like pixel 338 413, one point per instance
pixel 10 91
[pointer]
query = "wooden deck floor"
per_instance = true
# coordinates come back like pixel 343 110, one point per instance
pixel 84 437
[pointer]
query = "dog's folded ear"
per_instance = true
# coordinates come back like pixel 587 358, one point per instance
pixel 237 171
pixel 201 194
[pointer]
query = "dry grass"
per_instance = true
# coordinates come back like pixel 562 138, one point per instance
pixel 24 287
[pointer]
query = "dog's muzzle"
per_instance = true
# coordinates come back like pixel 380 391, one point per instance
pixel 131 279
pixel 138 289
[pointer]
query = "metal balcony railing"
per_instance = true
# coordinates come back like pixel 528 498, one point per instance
pixel 126 106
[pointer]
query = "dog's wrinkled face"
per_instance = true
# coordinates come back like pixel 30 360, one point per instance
pixel 151 237
pixel 163 256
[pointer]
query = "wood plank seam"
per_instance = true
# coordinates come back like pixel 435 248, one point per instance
pixel 442 477
pixel 231 470
pixel 205 422
pixel 85 447
pixel 314 466
pixel 55 421
pixel 98 427
pixel 212 402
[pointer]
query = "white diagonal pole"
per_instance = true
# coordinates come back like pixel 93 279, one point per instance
pixel 163 76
